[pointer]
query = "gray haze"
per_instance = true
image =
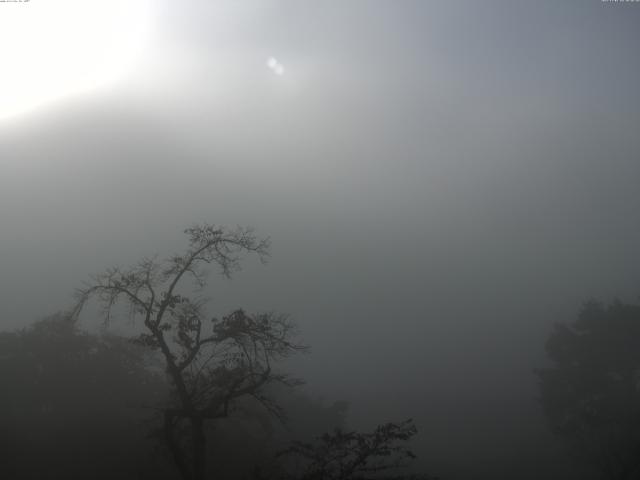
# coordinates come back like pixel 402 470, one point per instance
pixel 441 182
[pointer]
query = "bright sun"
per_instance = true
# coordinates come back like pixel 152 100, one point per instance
pixel 53 49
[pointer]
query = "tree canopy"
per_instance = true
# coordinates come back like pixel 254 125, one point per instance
pixel 85 405
pixel 211 363
pixel 591 393
pixel 72 404
pixel 348 455
pixel 80 405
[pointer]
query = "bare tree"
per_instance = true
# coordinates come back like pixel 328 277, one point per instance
pixel 211 363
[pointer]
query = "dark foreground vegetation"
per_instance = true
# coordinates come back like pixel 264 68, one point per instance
pixel 89 406
pixel 190 397
pixel 591 393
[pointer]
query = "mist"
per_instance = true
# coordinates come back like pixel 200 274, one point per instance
pixel 440 182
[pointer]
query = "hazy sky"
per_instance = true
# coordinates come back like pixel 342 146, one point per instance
pixel 440 180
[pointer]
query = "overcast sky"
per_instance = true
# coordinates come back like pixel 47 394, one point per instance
pixel 441 182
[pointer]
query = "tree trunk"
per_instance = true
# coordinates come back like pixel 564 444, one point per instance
pixel 174 447
pixel 199 448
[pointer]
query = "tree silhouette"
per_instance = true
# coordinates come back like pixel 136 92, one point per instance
pixel 350 455
pixel 72 403
pixel 211 363
pixel 82 405
pixel 591 394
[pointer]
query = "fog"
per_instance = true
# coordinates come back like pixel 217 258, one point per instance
pixel 440 181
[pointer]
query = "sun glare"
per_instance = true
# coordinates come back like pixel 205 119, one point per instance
pixel 50 50
pixel 275 66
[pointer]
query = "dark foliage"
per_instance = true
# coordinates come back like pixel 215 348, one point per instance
pixel 591 394
pixel 211 363
pixel 349 455
pixel 97 406
pixel 76 406
pixel 72 404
